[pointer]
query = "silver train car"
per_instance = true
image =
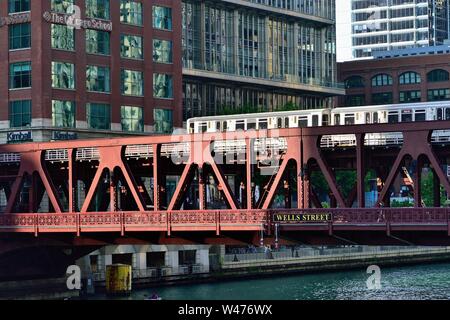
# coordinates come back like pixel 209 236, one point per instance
pixel 394 113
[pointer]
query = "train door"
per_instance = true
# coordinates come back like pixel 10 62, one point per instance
pixel 325 120
pixel 337 119
pixel 315 120
pixel 279 123
pixel 443 113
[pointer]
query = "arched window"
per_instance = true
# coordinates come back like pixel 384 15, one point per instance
pixel 410 77
pixel 354 82
pixel 438 75
pixel 381 80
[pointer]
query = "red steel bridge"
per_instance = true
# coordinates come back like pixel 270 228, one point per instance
pixel 258 187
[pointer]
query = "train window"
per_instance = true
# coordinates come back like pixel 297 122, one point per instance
pixel 315 120
pixel 368 117
pixel 262 124
pixel 286 122
pixel 240 125
pixel 407 116
pixel 191 128
pixel 217 126
pixel 349 119
pixel 419 115
pixel 393 117
pixel 325 120
pixel 203 127
pixel 375 117
pixel 447 114
pixel 251 125
pixel 439 114
pixel 224 126
pixel 337 119
pixel 280 123
pixel 303 122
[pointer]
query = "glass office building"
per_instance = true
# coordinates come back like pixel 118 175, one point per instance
pixel 258 56
pixel 370 26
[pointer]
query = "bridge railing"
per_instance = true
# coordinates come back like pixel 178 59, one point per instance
pixel 213 220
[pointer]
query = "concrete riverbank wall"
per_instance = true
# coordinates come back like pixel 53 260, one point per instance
pixel 244 266
pixel 245 263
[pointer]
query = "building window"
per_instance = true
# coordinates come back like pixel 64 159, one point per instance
pixel 381 80
pixel 382 98
pixel 438 94
pixel 354 82
pixel 63 75
pixel 62 6
pixel 97 42
pixel 63 37
pixel 162 18
pixel 410 78
pixel 163 120
pixel 132 119
pixel 63 114
pixel 162 86
pixel 131 47
pixel 410 96
pixel 97 9
pixel 438 75
pixel 18 6
pixel 131 12
pixel 20 75
pixel 98 79
pixel 99 116
pixel 20 113
pixel 355 100
pixel 20 36
pixel 132 83
pixel 162 51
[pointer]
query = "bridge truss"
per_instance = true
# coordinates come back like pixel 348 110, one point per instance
pixel 235 187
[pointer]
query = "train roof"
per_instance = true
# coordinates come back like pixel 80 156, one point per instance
pixel 309 111
pixel 257 115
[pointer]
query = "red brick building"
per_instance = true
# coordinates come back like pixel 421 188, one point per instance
pixel 84 68
pixel 416 75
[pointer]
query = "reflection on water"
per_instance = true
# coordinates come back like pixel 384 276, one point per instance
pixel 413 282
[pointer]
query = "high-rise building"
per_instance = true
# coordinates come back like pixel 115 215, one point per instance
pixel 368 26
pixel 258 55
pixel 89 68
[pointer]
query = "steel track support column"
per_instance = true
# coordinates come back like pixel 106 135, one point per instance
pixel 112 191
pixel 249 165
pixel 32 194
pixel 71 188
pixel 360 171
pixel 201 189
pixel 156 180
pixel 417 184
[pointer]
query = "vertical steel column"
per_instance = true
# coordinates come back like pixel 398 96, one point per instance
pixel 417 184
pixel 71 190
pixel 201 189
pixel 360 171
pixel 156 187
pixel 249 156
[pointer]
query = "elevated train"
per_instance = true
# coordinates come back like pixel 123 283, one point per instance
pixel 394 113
